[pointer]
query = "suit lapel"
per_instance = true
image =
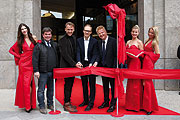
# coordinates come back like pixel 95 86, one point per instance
pixel 100 47
pixel 68 42
pixel 89 45
pixel 107 46
pixel 82 45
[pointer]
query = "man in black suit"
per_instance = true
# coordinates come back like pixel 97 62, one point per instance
pixel 67 47
pixel 107 58
pixel 86 56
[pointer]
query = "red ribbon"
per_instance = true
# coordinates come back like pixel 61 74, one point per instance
pixel 118 74
pixel 119 14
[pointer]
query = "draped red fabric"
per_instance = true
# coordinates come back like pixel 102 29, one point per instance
pixel 154 57
pixel 24 97
pixel 15 51
pixel 134 53
pixel 119 14
pixel 118 74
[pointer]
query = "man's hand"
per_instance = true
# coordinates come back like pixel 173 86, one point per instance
pixel 95 64
pixel 90 65
pixel 37 74
pixel 79 65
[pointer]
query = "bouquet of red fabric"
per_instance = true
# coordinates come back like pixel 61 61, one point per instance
pixel 134 53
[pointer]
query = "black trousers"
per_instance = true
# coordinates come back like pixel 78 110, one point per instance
pixel 68 88
pixel 92 83
pixel 106 81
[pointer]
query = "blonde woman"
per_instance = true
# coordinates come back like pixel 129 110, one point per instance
pixel 152 54
pixel 134 87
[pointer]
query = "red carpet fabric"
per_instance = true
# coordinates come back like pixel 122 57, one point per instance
pixel 77 98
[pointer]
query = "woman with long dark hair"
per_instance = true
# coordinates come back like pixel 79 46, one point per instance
pixel 22 51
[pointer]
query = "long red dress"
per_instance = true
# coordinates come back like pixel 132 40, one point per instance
pixel 134 86
pixel 149 96
pixel 25 79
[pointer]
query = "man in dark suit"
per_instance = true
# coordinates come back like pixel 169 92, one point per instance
pixel 107 58
pixel 67 47
pixel 87 52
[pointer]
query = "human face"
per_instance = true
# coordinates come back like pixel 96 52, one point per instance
pixel 102 34
pixel 87 31
pixel 134 33
pixel 47 36
pixel 151 34
pixel 69 30
pixel 24 30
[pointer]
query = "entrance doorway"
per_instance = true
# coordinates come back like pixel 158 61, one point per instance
pixel 55 13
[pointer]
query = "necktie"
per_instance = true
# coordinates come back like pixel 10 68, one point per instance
pixel 48 43
pixel 103 52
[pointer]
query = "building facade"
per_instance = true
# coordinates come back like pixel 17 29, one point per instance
pixel 162 13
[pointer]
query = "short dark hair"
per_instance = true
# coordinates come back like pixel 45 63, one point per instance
pixel 46 29
pixel 87 25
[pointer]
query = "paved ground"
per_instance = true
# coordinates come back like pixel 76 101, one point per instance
pixel 167 99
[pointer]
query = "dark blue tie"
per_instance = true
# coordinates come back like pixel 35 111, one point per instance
pixel 103 52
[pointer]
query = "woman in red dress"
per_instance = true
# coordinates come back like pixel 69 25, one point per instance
pixel 152 54
pixel 22 51
pixel 134 86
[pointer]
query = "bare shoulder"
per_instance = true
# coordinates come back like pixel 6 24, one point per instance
pixel 155 45
pixel 140 41
pixel 35 38
pixel 128 41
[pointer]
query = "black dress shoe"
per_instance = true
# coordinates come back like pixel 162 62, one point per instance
pixel 142 110
pixel 88 108
pixel 111 108
pixel 83 104
pixel 133 110
pixel 104 104
pixel 148 113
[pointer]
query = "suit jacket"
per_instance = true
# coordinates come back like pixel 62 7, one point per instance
pixel 92 50
pixel 67 52
pixel 110 55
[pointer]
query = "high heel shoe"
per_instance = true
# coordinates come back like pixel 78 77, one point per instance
pixel 148 113
pixel 28 111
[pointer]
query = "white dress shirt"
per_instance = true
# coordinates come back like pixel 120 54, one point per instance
pixel 47 43
pixel 106 40
pixel 86 44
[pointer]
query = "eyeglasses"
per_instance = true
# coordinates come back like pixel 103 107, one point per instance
pixel 87 30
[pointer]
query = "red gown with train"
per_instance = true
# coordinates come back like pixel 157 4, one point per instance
pixel 149 102
pixel 134 86
pixel 25 79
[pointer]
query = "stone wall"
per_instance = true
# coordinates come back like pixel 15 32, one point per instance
pixel 14 12
pixel 166 15
pixel 162 13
